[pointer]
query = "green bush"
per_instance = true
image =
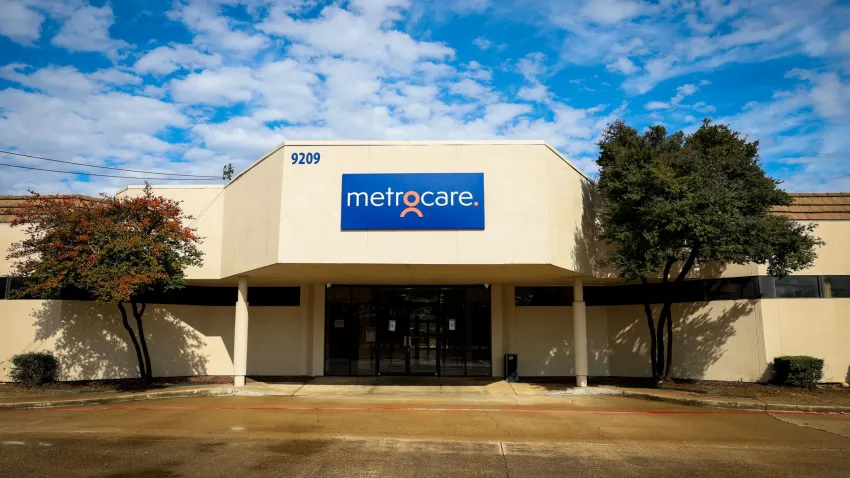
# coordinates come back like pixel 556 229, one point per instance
pixel 797 370
pixel 34 369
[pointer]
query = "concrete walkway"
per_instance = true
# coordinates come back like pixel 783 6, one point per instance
pixel 386 390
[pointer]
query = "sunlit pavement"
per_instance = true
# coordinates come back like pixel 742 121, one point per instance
pixel 419 435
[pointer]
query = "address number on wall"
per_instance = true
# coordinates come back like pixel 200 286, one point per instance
pixel 306 158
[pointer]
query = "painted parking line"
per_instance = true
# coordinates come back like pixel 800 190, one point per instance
pixel 428 409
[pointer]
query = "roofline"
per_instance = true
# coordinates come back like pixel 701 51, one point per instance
pixel 171 186
pixel 505 142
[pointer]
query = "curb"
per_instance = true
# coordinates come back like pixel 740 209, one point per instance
pixel 704 403
pixel 728 404
pixel 233 391
pixel 127 397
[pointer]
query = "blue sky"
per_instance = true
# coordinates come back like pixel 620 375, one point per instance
pixel 190 85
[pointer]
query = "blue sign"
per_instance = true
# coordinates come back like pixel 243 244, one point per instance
pixel 412 201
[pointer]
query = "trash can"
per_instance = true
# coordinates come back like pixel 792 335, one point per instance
pixel 511 368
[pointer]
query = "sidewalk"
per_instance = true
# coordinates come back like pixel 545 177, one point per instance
pixel 386 390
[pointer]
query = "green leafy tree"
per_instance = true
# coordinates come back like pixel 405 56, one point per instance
pixel 117 250
pixel 670 202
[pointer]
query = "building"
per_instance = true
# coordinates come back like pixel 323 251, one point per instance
pixel 435 258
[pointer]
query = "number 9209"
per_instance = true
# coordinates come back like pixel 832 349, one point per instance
pixel 306 158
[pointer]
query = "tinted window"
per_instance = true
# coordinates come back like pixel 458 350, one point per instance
pixel 544 296
pixel 797 286
pixel 836 286
pixel 3 281
pixel 732 289
pixel 273 296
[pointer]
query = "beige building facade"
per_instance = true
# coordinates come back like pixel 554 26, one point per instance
pixel 433 258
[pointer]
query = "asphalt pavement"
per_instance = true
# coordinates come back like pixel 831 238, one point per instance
pixel 417 435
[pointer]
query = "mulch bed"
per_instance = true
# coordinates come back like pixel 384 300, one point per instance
pixel 823 394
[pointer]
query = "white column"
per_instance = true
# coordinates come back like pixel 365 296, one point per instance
pixel 579 332
pixel 240 335
pixel 317 332
pixel 497 330
pixel 305 328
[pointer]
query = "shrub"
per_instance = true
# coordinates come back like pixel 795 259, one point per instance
pixel 797 370
pixel 34 369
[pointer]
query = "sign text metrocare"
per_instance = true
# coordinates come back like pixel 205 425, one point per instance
pixel 398 201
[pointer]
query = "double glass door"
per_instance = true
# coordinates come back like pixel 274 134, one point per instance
pixel 424 331
pixel 409 332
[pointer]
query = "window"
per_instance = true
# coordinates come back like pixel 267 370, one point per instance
pixel 836 286
pixel 732 289
pixel 3 282
pixel 226 296
pixel 544 296
pixel 274 296
pixel 797 287
pixel 632 294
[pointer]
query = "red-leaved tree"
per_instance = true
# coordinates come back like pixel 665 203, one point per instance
pixel 117 250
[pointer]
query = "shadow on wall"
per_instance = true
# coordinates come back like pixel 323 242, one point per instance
pixel 701 331
pixel 586 251
pixel 91 343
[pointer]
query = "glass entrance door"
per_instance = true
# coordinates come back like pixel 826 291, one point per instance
pixel 423 312
pixel 409 332
pixel 443 330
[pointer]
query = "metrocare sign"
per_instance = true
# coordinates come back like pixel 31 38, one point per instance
pixel 399 201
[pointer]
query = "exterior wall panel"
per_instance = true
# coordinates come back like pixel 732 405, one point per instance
pixel 90 342
pixel 816 327
pixel 252 217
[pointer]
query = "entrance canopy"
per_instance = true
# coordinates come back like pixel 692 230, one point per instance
pixel 402 274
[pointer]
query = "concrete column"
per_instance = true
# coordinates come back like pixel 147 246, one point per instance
pixel 305 318
pixel 317 332
pixel 497 330
pixel 240 335
pixel 509 318
pixel 579 332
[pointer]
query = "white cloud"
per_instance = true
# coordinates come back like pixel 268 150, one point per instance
pixel 215 87
pixel 803 132
pixel 623 65
pixel 214 31
pixel 168 59
pixel 71 115
pixel 682 92
pixel 21 22
pixel 482 43
pixel 611 11
pixel 87 29
pixel 341 32
pixel 533 66
pixel 535 92
pixel 354 71
pixel 657 105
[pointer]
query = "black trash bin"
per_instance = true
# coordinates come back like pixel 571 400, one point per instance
pixel 511 368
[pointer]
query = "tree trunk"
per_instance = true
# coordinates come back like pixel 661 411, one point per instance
pixel 650 321
pixel 667 313
pixel 142 368
pixel 669 342
pixel 662 359
pixel 137 313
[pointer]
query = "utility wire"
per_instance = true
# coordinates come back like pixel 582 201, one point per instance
pixel 106 175
pixel 105 167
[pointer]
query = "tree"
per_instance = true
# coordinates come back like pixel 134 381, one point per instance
pixel 117 250
pixel 670 202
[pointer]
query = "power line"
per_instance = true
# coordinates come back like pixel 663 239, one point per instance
pixel 105 167
pixel 102 175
